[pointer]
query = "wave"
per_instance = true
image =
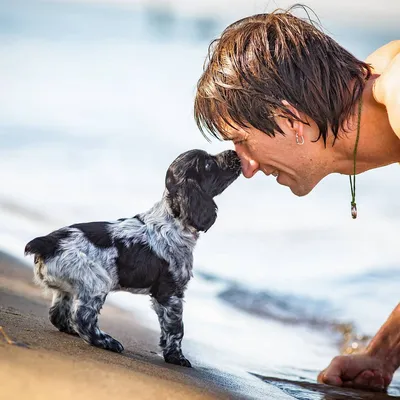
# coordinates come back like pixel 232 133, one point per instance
pixel 290 309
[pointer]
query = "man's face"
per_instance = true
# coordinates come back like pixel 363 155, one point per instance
pixel 300 167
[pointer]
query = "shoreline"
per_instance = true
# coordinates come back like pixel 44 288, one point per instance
pixel 24 317
pixel 55 361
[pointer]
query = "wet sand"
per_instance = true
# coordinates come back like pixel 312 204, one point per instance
pixel 57 364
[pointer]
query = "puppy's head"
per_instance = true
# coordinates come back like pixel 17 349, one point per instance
pixel 193 179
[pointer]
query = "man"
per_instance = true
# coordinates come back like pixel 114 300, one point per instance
pixel 300 107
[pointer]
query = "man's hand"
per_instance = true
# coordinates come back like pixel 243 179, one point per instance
pixel 359 371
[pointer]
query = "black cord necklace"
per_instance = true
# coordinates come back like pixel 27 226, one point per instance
pixel 353 178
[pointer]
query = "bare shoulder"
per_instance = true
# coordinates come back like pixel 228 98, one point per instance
pixel 383 56
pixel 387 85
pixel 386 91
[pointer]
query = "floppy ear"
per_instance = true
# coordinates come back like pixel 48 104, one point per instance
pixel 173 197
pixel 197 207
pixel 170 182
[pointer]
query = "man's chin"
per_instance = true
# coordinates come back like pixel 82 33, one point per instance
pixel 300 191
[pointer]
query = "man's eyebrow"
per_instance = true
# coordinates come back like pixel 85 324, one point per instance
pixel 233 139
pixel 239 137
pixel 231 135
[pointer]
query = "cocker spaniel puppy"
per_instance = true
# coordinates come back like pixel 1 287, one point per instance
pixel 150 253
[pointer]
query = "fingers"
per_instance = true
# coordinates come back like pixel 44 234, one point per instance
pixel 334 380
pixel 387 378
pixel 372 380
pixel 359 372
pixel 332 375
pixel 320 378
pixel 367 380
pixel 361 381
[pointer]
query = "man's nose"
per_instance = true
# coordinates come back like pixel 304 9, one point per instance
pixel 249 166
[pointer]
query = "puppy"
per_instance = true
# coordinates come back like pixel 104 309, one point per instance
pixel 151 253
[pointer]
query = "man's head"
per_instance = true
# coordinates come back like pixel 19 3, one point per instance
pixel 273 82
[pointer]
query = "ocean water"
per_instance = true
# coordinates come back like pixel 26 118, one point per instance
pixel 96 101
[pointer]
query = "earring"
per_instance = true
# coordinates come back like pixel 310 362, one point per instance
pixel 299 139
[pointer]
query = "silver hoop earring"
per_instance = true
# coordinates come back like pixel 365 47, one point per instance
pixel 299 139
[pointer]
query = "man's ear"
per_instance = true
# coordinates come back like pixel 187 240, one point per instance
pixel 294 123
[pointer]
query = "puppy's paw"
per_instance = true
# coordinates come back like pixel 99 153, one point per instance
pixel 184 362
pixel 177 359
pixel 115 346
pixel 109 343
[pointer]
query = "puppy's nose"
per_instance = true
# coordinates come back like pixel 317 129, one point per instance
pixel 231 159
pixel 249 166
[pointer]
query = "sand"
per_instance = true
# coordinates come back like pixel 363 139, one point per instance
pixel 57 365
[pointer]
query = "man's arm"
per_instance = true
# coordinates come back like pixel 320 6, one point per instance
pixel 386 343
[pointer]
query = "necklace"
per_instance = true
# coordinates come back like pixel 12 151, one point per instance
pixel 353 178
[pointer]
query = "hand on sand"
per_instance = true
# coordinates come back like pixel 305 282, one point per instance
pixel 359 371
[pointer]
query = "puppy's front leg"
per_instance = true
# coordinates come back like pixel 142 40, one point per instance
pixel 169 311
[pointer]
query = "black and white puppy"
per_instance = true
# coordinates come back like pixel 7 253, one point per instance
pixel 151 253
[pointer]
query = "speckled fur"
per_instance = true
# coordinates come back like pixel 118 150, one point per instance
pixel 151 253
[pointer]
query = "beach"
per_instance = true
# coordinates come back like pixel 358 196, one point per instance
pixel 45 361
pixel 56 362
pixel 96 102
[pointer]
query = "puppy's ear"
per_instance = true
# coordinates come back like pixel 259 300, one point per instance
pixel 197 207
pixel 173 196
pixel 170 182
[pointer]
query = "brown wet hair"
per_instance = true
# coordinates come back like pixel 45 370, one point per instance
pixel 261 60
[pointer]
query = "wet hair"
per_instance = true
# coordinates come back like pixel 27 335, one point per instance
pixel 261 60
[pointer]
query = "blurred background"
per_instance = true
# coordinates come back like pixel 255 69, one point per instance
pixel 96 100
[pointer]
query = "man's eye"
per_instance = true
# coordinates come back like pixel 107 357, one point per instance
pixel 237 142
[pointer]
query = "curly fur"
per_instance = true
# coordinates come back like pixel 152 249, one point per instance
pixel 151 253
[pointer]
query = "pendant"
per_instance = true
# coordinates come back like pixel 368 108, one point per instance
pixel 354 210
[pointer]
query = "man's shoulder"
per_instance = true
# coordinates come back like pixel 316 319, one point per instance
pixel 387 86
pixel 381 58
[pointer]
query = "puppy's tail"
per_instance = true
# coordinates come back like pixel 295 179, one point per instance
pixel 37 246
pixel 46 246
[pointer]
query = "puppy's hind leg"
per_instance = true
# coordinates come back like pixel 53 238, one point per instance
pixel 169 311
pixel 60 312
pixel 86 308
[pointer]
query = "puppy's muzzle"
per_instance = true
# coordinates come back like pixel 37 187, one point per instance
pixel 229 160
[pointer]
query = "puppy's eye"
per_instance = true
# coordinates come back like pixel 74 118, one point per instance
pixel 208 166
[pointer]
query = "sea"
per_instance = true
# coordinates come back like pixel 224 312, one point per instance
pixel 96 100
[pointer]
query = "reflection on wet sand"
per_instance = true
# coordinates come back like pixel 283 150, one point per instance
pixel 316 391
